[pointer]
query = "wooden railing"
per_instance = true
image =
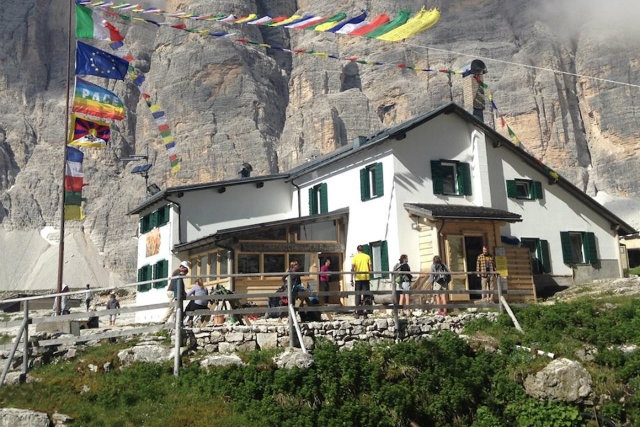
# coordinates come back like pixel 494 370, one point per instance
pixel 236 309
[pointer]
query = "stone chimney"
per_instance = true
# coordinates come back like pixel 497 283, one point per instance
pixel 473 91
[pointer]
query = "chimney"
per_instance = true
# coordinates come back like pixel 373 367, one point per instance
pixel 473 90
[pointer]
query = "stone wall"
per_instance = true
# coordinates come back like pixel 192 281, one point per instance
pixel 344 333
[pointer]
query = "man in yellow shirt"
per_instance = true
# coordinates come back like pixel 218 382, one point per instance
pixel 360 268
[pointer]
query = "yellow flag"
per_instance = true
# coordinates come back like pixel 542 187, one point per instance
pixel 423 20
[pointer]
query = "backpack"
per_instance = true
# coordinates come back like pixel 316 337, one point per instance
pixel 441 277
pixel 398 277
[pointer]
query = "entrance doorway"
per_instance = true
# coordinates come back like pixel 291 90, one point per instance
pixel 473 248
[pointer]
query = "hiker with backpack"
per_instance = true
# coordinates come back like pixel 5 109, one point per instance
pixel 404 282
pixel 439 279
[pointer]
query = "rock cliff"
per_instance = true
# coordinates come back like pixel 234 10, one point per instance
pixel 564 76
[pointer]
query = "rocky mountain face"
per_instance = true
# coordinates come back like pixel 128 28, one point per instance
pixel 565 77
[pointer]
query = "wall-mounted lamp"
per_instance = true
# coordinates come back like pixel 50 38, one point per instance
pixel 153 189
pixel 259 184
pixel 222 190
pixel 415 226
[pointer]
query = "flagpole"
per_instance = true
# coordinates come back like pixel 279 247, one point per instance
pixel 64 161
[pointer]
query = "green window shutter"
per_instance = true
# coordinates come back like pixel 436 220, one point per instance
pixel 536 190
pixel 436 177
pixel 464 179
pixel 366 249
pixel 313 201
pixel 364 184
pixel 590 250
pixel 163 216
pixel 145 273
pixel 145 222
pixel 153 220
pixel 567 252
pixel 379 184
pixel 511 188
pixel 543 255
pixel 324 201
pixel 160 271
pixel 384 254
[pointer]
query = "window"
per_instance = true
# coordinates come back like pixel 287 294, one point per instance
pixel 371 184
pixel 162 216
pixel 318 203
pixel 145 224
pixel 154 219
pixel 144 274
pixel 524 189
pixel 160 271
pixel 274 263
pixel 379 257
pixel 248 263
pixel 318 232
pixel 451 177
pixel 579 247
pixel 539 252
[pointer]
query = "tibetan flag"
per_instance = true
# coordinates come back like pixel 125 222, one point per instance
pixel 401 19
pixel 423 20
pixel 87 133
pixel 95 62
pixel 306 22
pixel 94 100
pixel 377 22
pixel 89 26
pixel 73 183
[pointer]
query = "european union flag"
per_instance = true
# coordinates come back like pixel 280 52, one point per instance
pixel 96 62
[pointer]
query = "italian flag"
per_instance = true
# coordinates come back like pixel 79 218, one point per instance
pixel 89 26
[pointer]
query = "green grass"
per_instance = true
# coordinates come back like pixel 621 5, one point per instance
pixel 634 271
pixel 444 381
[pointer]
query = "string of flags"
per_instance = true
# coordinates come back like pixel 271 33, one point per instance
pixel 399 28
pixel 380 27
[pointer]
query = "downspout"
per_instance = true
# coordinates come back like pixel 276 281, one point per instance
pixel 179 218
pixel 299 200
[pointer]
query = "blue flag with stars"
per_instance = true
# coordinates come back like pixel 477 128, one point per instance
pixel 95 62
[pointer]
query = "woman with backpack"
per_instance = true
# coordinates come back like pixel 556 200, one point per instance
pixel 404 280
pixel 439 280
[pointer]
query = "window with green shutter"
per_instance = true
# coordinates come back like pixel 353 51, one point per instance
pixel 539 252
pixel 162 216
pixel 160 271
pixel 524 189
pixel 450 177
pixel 579 247
pixel 371 182
pixel 145 273
pixel 318 199
pixel 379 253
pixel 145 224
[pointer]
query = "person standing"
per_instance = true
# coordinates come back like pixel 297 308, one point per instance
pixel 113 304
pixel 323 278
pixel 88 297
pixel 486 264
pixel 197 290
pixel 404 280
pixel 361 267
pixel 439 279
pixel 176 284
pixel 62 302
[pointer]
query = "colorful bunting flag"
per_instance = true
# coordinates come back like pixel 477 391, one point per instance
pixel 355 20
pixel 73 183
pixel 399 20
pixel 96 62
pixel 87 133
pixel 94 100
pixel 423 20
pixel 89 26
pixel 377 22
